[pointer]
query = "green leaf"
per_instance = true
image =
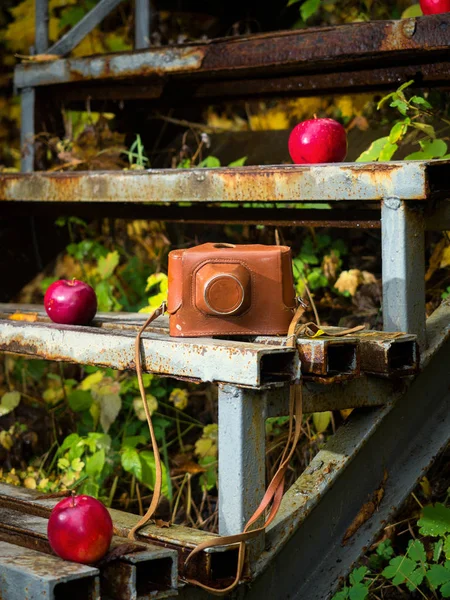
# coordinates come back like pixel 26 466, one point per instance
pixel 107 264
pixel 131 462
pixel 447 547
pixel 399 569
pixel 437 550
pixel 342 595
pixel 208 479
pixel 358 591
pixel 95 463
pixel 434 148
pixel 308 253
pixel 80 400
pixel 321 422
pixel 445 590
pixel 69 441
pixel 211 162
pixel 385 549
pixel 398 131
pixel 400 105
pixel 415 579
pixel 357 575
pixel 316 279
pixel 388 151
pixel 148 471
pixel 8 402
pixel 427 129
pixel 309 8
pixel 435 520
pixel 373 151
pixel 292 2
pixel 416 551
pixel 418 99
pixel 404 86
pixel 91 488
pixel 100 440
pixel 438 574
pixel 412 11
pixel 133 440
pixel 240 162
pixel 77 464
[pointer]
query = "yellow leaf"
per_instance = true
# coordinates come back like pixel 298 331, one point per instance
pixel 30 317
pixel 139 409
pixel 158 278
pixel 37 57
pixel 91 380
pixel 179 398
pixel 318 333
pixel 30 483
pixel 321 421
pixel 207 444
pixel 445 260
pixel 6 440
pixel 426 487
pixel 349 281
pixel 272 119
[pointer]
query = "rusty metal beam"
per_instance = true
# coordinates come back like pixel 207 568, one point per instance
pixel 306 550
pixel 176 537
pixel 198 359
pixel 151 571
pixel 29 575
pixel 316 49
pixel 287 183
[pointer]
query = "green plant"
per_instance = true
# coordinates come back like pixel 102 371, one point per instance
pixel 413 127
pixel 424 565
pixel 318 262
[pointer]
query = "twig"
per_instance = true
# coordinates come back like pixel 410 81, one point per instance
pixel 191 124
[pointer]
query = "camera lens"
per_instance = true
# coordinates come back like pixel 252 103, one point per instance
pixel 224 294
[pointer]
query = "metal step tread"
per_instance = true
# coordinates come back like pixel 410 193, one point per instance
pixel 197 359
pixel 268 62
pixel 350 182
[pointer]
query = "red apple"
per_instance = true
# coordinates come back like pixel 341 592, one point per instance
pixel 434 7
pixel 80 529
pixel 70 302
pixel 318 141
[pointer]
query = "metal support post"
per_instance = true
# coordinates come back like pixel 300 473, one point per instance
pixel 41 26
pixel 403 254
pixel 242 415
pixel 142 17
pixel 27 101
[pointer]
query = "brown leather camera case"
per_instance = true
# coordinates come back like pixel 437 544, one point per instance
pixel 223 289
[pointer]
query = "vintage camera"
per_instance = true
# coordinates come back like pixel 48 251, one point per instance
pixel 226 289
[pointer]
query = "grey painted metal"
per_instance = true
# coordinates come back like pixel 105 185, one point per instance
pixel 282 183
pixel 93 18
pixel 202 359
pixel 306 555
pixel 134 576
pixel 364 391
pixel 29 575
pixel 142 16
pixel 171 59
pixel 403 268
pixel 242 451
pixel 41 26
pixel 27 103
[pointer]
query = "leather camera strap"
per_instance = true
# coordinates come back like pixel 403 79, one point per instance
pixel 274 493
